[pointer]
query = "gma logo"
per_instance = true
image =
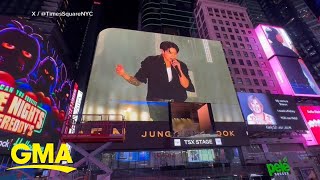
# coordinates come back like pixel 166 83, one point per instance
pixel 42 160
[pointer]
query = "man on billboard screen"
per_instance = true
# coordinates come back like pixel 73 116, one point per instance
pixel 167 77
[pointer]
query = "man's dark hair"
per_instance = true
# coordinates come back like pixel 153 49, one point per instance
pixel 272 33
pixel 165 45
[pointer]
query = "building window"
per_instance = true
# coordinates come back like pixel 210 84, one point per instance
pixel 248 81
pixel 240 25
pixel 220 22
pixel 241 14
pixel 229 12
pixel 259 73
pixel 227 23
pixel 249 63
pixel 223 29
pixel 259 56
pixel 230 30
pixel 239 81
pixel 225 36
pixel 238 53
pixel 244 71
pixel 266 73
pixel 216 28
pixel 241 62
pixel 249 46
pixel 249 32
pixel 251 39
pixel 230 52
pixel 235 45
pixel 256 63
pixel 242 46
pixel 232 37
pixel 218 35
pixel 252 55
pixel 216 10
pixel 271 83
pixel 227 44
pixel 264 83
pixel 263 64
pixel 243 32
pixel 251 90
pixel 256 82
pixel 247 25
pixel 210 9
pixel 236 71
pixel 233 61
pixel 239 38
pixel 214 21
pixel 235 13
pixel 259 91
pixel 246 39
pixel 234 24
pixel 242 90
pixel 236 30
pixel 223 11
pixel 245 54
pixel 252 72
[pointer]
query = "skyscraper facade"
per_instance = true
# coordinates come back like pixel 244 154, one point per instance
pixel 255 12
pixel 230 24
pixel 166 16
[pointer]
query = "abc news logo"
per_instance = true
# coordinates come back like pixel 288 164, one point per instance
pixel 5 144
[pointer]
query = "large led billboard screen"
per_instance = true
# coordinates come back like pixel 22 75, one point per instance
pixel 292 74
pixel 275 41
pixel 132 71
pixel 311 115
pixel 34 88
pixel 270 112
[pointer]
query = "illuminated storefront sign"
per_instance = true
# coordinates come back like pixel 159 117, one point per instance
pixel 280 168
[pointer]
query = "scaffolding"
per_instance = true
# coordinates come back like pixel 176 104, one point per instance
pixel 89 136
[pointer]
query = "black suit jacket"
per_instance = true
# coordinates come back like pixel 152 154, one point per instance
pixel 153 71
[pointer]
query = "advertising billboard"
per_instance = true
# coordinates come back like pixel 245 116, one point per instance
pixel 292 74
pixel 135 71
pixel 294 77
pixel 35 91
pixel 152 135
pixel 264 112
pixel 224 134
pixel 311 115
pixel 275 41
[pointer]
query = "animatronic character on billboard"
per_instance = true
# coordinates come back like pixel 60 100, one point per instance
pixel 19 55
pixel 21 67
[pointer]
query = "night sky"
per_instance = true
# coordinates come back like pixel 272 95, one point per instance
pixel 121 14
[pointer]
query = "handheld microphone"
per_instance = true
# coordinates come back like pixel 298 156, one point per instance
pixel 176 68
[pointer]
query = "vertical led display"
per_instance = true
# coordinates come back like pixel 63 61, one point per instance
pixel 35 91
pixel 292 74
